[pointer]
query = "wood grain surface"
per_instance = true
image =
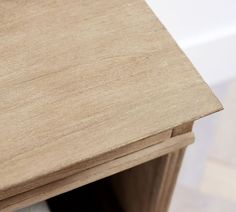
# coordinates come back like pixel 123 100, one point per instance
pixel 95 173
pixel 82 79
pixel 149 186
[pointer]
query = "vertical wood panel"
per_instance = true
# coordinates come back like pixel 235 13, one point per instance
pixel 149 187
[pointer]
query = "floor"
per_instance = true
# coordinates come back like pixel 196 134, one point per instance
pixel 207 182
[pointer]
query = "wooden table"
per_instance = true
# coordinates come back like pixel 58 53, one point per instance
pixel 89 89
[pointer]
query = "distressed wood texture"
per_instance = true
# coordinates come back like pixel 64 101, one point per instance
pixel 149 187
pixel 82 82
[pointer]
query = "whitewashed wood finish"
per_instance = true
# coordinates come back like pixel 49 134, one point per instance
pixel 95 173
pixel 80 81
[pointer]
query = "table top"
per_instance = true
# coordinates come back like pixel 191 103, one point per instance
pixel 81 80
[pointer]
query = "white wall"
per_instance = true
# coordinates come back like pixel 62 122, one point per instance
pixel 206 31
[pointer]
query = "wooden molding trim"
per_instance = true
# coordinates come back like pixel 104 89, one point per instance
pixel 96 173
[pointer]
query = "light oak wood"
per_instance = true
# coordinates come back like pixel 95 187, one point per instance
pixel 136 189
pixel 119 152
pixel 172 164
pixel 181 129
pixel 149 187
pixel 81 82
pixel 96 173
